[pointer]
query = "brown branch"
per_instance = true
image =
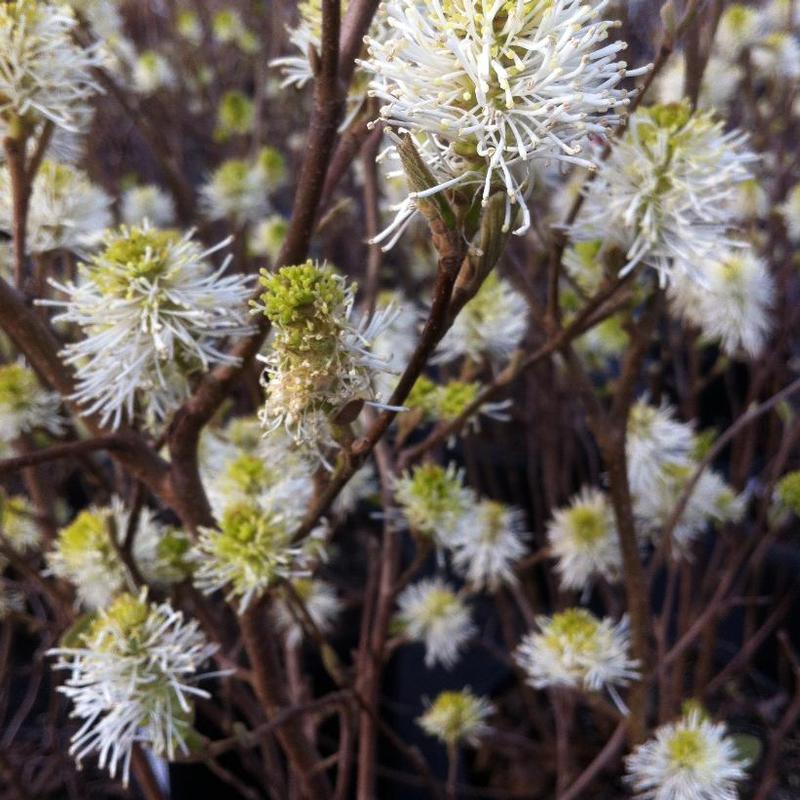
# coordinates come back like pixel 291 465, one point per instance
pixel 8 466
pixel 601 760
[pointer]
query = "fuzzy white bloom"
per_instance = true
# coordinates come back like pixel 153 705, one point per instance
pixel 663 196
pixel 102 15
pixel 777 57
pixel 573 648
pixel 491 324
pixel 751 201
pixel 434 500
pixel 66 210
pixel 239 189
pixel 44 74
pixel 583 537
pixel 739 27
pixel 791 213
pixel 431 612
pixel 86 553
pixel 711 500
pixel 151 203
pixel 18 526
pixel 267 237
pixel 25 405
pixel 132 680
pixel 732 303
pixel 153 311
pixel 395 344
pixel 457 717
pixel 487 543
pixel 152 72
pixel 721 78
pixel 655 439
pixel 250 551
pixel 692 759
pixel 321 602
pixel 320 364
pixel 487 87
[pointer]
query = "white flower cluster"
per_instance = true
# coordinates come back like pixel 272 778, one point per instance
pixel 490 325
pixel 25 405
pixel 153 312
pixel 691 759
pixel 321 602
pixel 573 648
pixel 67 211
pixel 44 74
pixel 87 553
pixel 430 611
pixel 457 717
pixel 663 196
pixel 132 680
pixel 148 203
pixel 662 458
pixel 488 87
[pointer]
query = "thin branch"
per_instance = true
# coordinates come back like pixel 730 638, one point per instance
pixel 8 466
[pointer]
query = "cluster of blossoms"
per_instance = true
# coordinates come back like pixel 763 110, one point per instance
pixel 491 325
pixel 250 551
pixel 147 203
pixel 67 211
pixel 44 74
pixel 132 680
pixel 455 717
pixel 153 312
pixel 239 189
pixel 488 88
pixel 25 406
pixel 18 526
pixel 87 553
pixel 662 458
pixel 319 361
pixel 692 758
pixel 432 612
pixel 575 649
pixel 320 601
pixel 663 195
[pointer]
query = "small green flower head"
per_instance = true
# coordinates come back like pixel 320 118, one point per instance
pixel 788 491
pixel 250 552
pixel 18 386
pixel 423 396
pixel 18 524
pixel 235 115
pixel 271 164
pixel 188 26
pixel 433 499
pixel 454 397
pixel 456 717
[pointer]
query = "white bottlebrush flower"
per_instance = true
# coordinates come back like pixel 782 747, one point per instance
pixel 18 525
pixel 490 325
pixel 691 759
pixel 751 201
pixel 44 74
pixel 25 405
pixel 86 553
pixel 488 542
pixel 456 717
pixel 664 194
pixel 153 311
pixel 655 439
pixel 487 87
pixel 431 612
pixel 731 301
pixel 152 72
pixel 239 189
pixel 777 57
pixel 250 551
pixel 67 211
pixel 434 500
pixel 791 213
pixel 319 362
pixel 102 15
pixel 583 537
pixel 739 27
pixel 721 78
pixel 712 501
pixel 573 648
pixel 133 676
pixel 319 599
pixel 267 237
pixel 151 203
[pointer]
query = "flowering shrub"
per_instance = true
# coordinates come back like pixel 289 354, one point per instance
pixel 399 399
